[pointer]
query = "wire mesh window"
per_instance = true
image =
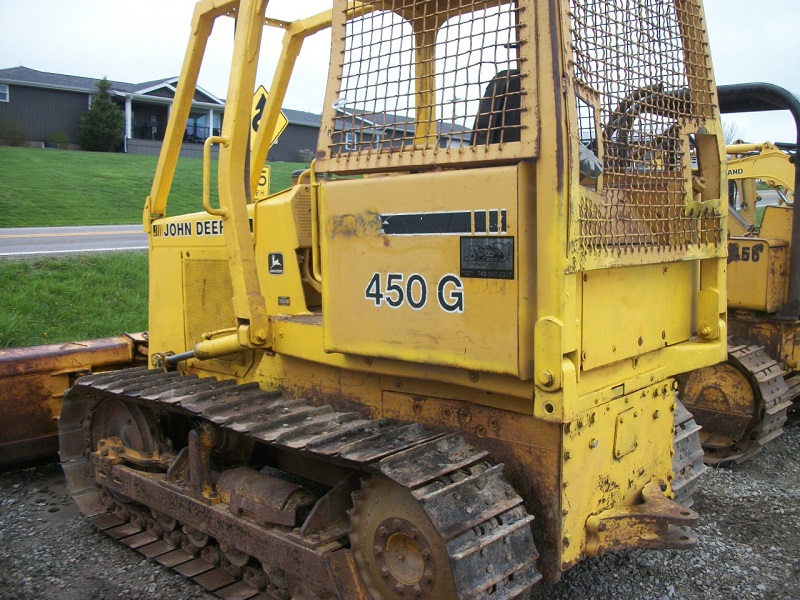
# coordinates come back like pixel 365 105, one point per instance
pixel 645 63
pixel 429 76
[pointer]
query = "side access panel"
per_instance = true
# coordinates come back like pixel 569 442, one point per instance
pixel 424 268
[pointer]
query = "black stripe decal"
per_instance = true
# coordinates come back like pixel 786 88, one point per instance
pixel 493 221
pixel 480 221
pixel 427 223
pixel 446 223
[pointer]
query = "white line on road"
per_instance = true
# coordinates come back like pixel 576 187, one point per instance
pixel 71 251
pixel 73 234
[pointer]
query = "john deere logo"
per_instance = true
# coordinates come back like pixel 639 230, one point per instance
pixel 276 263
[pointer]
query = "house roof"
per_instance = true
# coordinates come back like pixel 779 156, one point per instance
pixel 34 78
pixel 300 117
pixel 382 121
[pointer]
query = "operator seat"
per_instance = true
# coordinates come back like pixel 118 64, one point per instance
pixel 498 119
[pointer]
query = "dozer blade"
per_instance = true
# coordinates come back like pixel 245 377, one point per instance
pixel 32 385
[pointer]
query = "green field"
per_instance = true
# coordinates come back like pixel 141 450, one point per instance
pixel 49 300
pixel 41 188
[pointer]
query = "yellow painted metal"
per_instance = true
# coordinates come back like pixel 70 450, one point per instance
pixel 552 304
pixel 293 291
pixel 205 12
pixel 776 223
pixel 295 33
pixel 758 273
pixel 765 162
pixel 407 286
pixel 749 164
pixel 758 255
pixel 722 397
pixel 779 338
pixel 536 360
pixel 260 99
pixel 217 212
pixel 655 523
pixel 711 300
pixel 614 327
pixel 609 454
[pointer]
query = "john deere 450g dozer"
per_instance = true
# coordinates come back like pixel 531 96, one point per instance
pixel 445 369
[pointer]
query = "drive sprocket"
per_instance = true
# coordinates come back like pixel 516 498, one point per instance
pixel 396 547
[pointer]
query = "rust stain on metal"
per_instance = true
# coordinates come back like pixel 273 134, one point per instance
pixel 655 523
pixel 364 225
pixel 32 384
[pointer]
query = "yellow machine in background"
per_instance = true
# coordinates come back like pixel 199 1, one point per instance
pixel 446 370
pixel 759 250
pixel 742 403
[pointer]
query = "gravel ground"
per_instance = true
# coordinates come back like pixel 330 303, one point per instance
pixel 749 544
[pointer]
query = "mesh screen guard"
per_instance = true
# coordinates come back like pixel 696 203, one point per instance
pixel 644 97
pixel 424 83
pixel 429 83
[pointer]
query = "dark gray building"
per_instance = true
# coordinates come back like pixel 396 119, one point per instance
pixel 300 134
pixel 47 103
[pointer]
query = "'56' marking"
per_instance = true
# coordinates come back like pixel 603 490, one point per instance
pixel 414 291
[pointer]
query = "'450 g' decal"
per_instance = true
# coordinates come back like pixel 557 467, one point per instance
pixel 414 291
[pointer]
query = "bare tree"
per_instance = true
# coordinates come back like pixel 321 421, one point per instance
pixel 731 132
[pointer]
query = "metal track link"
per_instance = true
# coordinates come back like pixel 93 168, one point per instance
pixel 773 398
pixel 470 503
pixel 687 462
pixel 793 414
pixel 201 560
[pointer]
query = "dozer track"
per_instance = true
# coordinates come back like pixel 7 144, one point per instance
pixel 741 404
pixel 687 461
pixel 411 506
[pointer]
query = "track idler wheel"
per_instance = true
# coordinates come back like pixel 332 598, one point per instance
pixel 740 404
pixel 129 423
pixel 396 547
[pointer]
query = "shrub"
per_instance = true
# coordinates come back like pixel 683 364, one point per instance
pixel 101 125
pixel 13 132
pixel 58 139
pixel 306 155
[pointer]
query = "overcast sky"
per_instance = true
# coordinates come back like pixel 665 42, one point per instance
pixel 751 40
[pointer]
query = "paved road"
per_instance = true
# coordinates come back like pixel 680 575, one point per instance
pixel 41 241
pixel 768 198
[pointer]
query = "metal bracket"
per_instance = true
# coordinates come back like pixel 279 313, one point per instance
pixel 652 524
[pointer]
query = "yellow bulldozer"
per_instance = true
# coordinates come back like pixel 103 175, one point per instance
pixel 443 364
pixel 742 403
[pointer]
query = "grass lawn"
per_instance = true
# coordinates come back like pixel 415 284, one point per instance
pixel 64 187
pixel 51 300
